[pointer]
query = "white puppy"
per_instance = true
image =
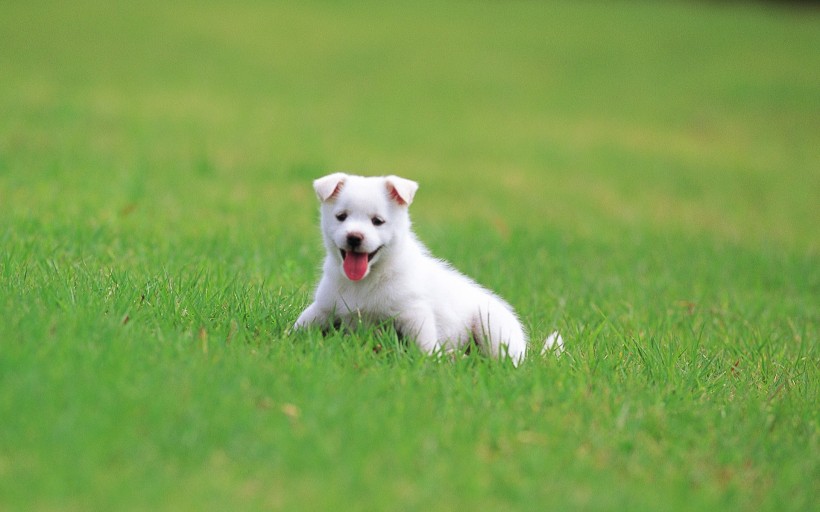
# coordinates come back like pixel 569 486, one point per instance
pixel 376 270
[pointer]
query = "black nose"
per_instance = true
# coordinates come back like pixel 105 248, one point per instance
pixel 354 240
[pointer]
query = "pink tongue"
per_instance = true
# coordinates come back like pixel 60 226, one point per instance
pixel 355 265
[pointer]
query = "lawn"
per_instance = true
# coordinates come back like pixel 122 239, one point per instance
pixel 642 176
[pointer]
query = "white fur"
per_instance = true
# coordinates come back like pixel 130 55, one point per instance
pixel 425 298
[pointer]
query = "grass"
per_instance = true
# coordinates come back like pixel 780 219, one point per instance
pixel 641 176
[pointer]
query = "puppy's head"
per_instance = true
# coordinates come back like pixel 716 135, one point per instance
pixel 362 217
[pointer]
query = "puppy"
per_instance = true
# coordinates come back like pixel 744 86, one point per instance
pixel 376 270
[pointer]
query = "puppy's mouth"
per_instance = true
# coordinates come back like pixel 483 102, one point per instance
pixel 356 264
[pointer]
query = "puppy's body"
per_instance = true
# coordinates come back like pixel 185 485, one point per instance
pixel 376 270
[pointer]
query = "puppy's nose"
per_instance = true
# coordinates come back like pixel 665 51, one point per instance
pixel 354 240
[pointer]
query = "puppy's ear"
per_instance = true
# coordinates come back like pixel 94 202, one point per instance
pixel 329 186
pixel 401 190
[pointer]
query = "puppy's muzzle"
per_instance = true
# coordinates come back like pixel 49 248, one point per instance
pixel 354 240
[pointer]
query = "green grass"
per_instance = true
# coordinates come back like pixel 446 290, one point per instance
pixel 642 176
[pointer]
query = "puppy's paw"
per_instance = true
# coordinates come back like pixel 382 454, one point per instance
pixel 554 343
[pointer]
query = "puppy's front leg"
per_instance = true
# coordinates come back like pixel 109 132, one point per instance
pixel 312 315
pixel 420 325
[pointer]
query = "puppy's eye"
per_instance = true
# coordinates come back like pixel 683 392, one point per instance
pixel 377 221
pixel 341 216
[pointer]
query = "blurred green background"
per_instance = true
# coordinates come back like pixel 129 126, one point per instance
pixel 684 116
